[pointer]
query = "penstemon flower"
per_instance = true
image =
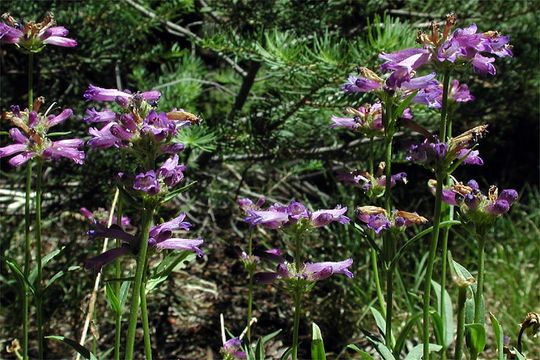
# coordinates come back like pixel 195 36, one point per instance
pixel 377 218
pixel 475 206
pixel 432 152
pixel 367 119
pixel 373 185
pixel 461 47
pixel 310 272
pixel 30 136
pixel 432 95
pixel 166 177
pixel 160 238
pixel 33 37
pixel 278 215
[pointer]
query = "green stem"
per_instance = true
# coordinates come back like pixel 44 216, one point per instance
pixel 374 266
pixel 296 325
pixel 139 272
pixel 118 275
pixel 250 286
pixel 144 317
pixel 389 246
pixel 39 292
pixel 431 261
pixel 462 297
pixel 28 189
pixel 27 257
pixel 480 282
pixel 448 210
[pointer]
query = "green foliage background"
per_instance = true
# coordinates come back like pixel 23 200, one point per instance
pixel 266 131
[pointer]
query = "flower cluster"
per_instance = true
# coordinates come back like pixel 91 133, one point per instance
pixel 477 207
pixel 378 219
pixel 367 119
pixel 432 94
pixel 309 272
pixel 432 152
pixel 160 237
pixel 373 185
pixel 30 138
pixel 462 46
pixel 167 176
pixel 33 37
pixel 138 120
pixel 279 215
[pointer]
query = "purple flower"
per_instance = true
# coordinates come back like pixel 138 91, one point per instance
pixel 104 138
pixel 429 152
pixel 34 36
pixel 160 236
pixel 30 138
pixel 271 219
pixel 297 210
pixel 471 157
pixel 378 220
pixel 95 93
pixel 171 172
pixel 158 125
pixel 432 94
pixel 147 182
pixel 232 347
pixel 324 217
pixel 94 116
pixel 367 119
pixel 408 59
pixel 323 270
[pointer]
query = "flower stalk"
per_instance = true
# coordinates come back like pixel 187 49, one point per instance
pixel 478 296
pixel 296 324
pixel 39 290
pixel 462 297
pixel 431 260
pixel 250 287
pixel 138 280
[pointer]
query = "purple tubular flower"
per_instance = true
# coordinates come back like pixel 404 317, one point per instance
pixel 97 262
pixel 408 59
pixel 349 123
pixel 483 65
pixel 171 172
pixel 449 197
pixel 94 116
pixel 428 152
pixel 324 217
pixel 112 232
pixel 378 223
pixel 60 41
pixel 473 184
pixel 164 231
pixel 103 139
pixel 271 219
pixel 12 149
pixel 419 82
pixel 323 270
pixel 21 159
pixel 265 277
pixel 120 132
pixel 63 116
pixel 152 95
pixel 147 182
pixel 95 93
pixel 159 125
pixel 9 35
pixel 459 92
pixel 297 210
pixel 232 347
pixel 17 136
pixel 68 149
pixel 509 195
pixel 182 244
pixel 33 119
pixel 56 35
pixel 498 207
pixel 472 157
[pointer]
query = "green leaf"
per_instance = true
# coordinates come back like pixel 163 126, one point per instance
pixel 448 327
pixel 286 354
pixel 171 262
pixel 112 299
pixel 58 133
pixel 476 337
pixel 519 356
pixel 55 277
pixel 405 332
pixel 85 353
pixel 417 352
pixel 469 311
pixel 171 195
pixel 123 294
pixel 437 325
pixel 379 319
pixel 154 282
pixel 22 280
pixel 270 336
pixel 317 344
pixel 363 354
pixel 460 271
pixel 403 105
pixel 44 261
pixel 381 348
pixel 259 350
pixel 499 336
